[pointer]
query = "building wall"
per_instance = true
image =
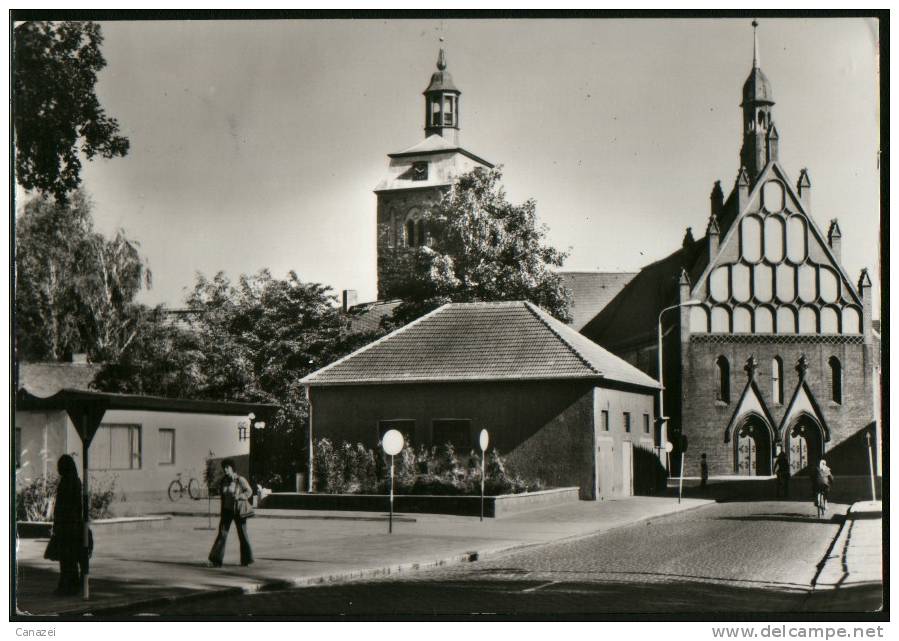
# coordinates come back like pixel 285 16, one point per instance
pixel 42 441
pixel 195 436
pixel 612 481
pixel 546 430
pixel 705 419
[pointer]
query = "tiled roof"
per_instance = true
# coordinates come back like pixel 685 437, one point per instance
pixel 367 317
pixel 592 291
pixel 45 379
pixel 480 342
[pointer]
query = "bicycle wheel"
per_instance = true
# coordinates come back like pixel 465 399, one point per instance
pixel 175 490
pixel 193 489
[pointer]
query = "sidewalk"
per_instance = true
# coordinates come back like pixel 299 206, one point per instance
pixel 303 547
pixel 851 577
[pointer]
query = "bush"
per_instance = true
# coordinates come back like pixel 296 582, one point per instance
pixel 355 469
pixel 35 499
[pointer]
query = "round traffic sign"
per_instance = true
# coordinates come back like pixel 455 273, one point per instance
pixel 669 447
pixel 392 442
pixel 484 440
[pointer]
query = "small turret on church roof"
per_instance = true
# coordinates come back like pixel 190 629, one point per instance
pixel 441 80
pixel 757 87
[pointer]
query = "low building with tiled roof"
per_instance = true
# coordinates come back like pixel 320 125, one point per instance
pixel 560 407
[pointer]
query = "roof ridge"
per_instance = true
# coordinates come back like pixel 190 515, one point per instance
pixel 364 348
pixel 538 314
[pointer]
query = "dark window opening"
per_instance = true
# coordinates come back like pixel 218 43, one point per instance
pixel 627 421
pixel 456 431
pixel 722 380
pixel 410 233
pixel 646 423
pixel 605 421
pixel 405 426
pixel 836 380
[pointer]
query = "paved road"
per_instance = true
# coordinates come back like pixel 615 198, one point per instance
pixel 728 557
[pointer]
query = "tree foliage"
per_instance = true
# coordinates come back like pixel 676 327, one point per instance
pixel 75 288
pixel 56 111
pixel 482 248
pixel 250 341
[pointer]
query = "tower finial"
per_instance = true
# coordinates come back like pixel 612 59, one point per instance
pixel 755 44
pixel 441 59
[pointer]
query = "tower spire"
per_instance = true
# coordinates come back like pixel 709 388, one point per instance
pixel 442 102
pixel 755 44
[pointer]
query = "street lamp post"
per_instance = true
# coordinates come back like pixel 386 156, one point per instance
pixel 662 417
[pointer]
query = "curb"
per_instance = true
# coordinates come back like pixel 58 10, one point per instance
pixel 325 517
pixel 350 575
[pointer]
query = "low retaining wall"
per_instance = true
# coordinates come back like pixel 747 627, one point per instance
pixel 494 506
pixel 41 529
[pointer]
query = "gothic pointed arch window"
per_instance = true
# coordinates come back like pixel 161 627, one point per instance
pixel 722 380
pixel 777 380
pixel 836 380
pixel 410 233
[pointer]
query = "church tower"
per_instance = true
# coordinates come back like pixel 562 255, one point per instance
pixel 416 179
pixel 760 137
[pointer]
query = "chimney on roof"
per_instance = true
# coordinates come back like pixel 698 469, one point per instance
pixel 688 238
pixel 79 359
pixel 350 299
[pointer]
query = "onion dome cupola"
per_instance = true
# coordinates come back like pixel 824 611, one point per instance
pixel 442 104
pixel 758 125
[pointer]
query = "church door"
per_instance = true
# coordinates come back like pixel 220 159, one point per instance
pixel 804 447
pixel 752 449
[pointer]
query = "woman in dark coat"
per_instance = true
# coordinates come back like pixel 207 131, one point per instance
pixel 234 488
pixel 68 526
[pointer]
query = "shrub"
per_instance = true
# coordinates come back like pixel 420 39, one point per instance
pixel 423 470
pixel 35 499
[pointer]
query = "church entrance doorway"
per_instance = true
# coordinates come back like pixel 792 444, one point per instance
pixel 752 448
pixel 804 445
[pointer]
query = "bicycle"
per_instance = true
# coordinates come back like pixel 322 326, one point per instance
pixel 177 489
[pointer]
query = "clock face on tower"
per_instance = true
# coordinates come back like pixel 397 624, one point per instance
pixel 420 171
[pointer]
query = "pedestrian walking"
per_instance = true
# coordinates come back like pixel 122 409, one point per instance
pixel 823 482
pixel 66 541
pixel 782 472
pixel 236 494
pixel 703 472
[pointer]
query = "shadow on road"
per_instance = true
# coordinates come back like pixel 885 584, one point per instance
pixel 785 516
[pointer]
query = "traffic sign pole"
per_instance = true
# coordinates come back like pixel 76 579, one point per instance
pixel 390 530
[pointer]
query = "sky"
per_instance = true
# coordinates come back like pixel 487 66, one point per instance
pixel 258 143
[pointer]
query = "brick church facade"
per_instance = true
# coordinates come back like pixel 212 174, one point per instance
pixel 768 344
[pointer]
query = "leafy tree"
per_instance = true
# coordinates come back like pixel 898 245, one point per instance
pixel 56 110
pixel 252 341
pixel 75 289
pixel 482 248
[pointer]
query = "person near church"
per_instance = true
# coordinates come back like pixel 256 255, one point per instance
pixel 782 472
pixel 823 479
pixel 703 472
pixel 66 542
pixel 236 494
